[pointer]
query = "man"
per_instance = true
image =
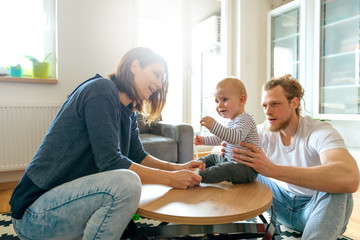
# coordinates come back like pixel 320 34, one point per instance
pixel 304 162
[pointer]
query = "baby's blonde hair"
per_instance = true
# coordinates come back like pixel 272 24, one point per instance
pixel 233 82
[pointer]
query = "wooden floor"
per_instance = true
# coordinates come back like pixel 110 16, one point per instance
pixel 353 229
pixel 5 195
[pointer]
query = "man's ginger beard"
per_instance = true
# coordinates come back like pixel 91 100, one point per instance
pixel 282 126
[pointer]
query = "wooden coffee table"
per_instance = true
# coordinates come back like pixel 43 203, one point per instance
pixel 203 210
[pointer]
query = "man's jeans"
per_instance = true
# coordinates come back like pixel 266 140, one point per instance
pixel 99 206
pixel 322 216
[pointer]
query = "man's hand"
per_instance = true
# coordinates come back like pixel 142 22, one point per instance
pixel 184 179
pixel 198 140
pixel 207 122
pixel 254 158
pixel 223 144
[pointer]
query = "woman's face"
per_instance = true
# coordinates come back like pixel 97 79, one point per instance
pixel 148 79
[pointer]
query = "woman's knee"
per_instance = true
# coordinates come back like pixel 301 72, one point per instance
pixel 126 182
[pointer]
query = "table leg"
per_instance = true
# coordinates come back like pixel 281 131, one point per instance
pixel 263 230
pixel 132 231
pixel 231 230
pixel 272 228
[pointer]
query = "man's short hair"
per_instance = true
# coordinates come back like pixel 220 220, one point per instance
pixel 292 88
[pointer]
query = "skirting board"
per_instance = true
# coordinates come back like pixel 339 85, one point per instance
pixel 11 176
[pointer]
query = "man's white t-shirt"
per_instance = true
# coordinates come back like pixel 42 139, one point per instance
pixel 312 138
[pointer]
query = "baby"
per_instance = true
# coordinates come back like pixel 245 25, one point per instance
pixel 230 98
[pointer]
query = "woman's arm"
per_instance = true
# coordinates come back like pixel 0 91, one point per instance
pixel 154 171
pixel 153 162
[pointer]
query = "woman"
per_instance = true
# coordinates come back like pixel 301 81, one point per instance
pixel 86 175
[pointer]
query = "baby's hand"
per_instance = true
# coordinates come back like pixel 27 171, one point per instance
pixel 198 140
pixel 207 122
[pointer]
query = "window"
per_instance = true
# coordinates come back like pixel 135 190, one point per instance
pixel 167 27
pixel 28 29
pixel 206 60
pixel 160 30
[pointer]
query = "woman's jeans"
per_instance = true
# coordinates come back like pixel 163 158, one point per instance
pixel 322 216
pixel 99 206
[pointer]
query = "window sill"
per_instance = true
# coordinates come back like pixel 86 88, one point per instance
pixel 27 80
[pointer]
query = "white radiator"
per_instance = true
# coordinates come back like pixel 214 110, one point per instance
pixel 22 128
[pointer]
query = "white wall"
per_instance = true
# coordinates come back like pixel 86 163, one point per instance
pixel 252 50
pixel 92 37
pixel 203 9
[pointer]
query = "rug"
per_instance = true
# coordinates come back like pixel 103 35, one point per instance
pixel 7 232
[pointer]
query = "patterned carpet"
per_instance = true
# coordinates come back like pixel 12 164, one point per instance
pixel 7 231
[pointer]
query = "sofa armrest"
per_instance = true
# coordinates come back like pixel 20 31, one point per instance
pixel 182 133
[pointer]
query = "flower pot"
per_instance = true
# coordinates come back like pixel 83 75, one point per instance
pixel 41 70
pixel 15 71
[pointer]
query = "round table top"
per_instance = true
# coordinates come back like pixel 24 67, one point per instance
pixel 207 204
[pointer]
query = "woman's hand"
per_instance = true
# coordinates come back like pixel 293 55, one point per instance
pixel 185 176
pixel 255 158
pixel 192 165
pixel 184 179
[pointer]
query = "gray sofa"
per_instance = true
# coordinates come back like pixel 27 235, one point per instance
pixel 169 142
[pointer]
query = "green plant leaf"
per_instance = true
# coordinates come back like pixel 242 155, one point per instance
pixel 47 57
pixel 31 58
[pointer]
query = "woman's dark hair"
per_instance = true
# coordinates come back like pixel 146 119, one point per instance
pixel 291 87
pixel 124 80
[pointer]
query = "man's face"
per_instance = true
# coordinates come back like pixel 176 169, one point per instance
pixel 277 109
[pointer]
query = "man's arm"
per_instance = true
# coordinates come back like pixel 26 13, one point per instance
pixel 338 172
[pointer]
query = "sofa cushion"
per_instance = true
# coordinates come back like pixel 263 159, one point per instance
pixel 143 127
pixel 160 147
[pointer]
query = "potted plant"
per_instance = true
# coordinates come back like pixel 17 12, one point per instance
pixel 40 69
pixel 15 70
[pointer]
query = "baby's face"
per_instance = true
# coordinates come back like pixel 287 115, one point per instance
pixel 228 102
